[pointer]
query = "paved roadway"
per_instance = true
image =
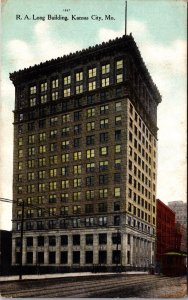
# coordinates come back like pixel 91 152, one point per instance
pixel 99 286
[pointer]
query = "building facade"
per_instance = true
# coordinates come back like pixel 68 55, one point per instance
pixel 180 209
pixel 85 146
pixel 171 251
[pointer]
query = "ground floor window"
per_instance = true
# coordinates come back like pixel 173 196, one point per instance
pixel 89 257
pixel 52 256
pixel 40 257
pixel 102 257
pixel 116 256
pixel 18 257
pixel 76 257
pixel 64 257
pixel 29 257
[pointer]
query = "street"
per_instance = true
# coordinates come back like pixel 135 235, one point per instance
pixel 97 286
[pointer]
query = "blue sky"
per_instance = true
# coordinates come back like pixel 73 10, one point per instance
pixel 159 29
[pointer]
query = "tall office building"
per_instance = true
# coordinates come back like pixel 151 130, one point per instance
pixel 85 135
pixel 180 209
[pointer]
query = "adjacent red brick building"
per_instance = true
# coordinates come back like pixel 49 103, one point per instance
pixel 170 259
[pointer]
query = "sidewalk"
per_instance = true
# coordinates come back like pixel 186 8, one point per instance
pixel 61 275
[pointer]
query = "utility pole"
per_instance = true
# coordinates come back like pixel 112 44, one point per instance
pixel 21 242
pixel 125 17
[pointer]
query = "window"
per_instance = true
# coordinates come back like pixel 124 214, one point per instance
pixel 89 239
pixel 117 148
pixel 105 82
pixel 76 209
pixel 55 83
pixel 77 169
pixel 76 257
pixel 66 92
pixel 104 123
pixel 76 239
pixel 33 89
pixel 64 240
pixel 90 112
pixel 52 257
pixel 119 78
pixel 92 85
pixel 116 238
pixel 117 192
pixel 118 120
pixel 77 196
pixel 116 256
pixel 77 129
pixel 77 155
pixel 92 72
pixel 79 89
pixel 55 96
pixel 90 167
pixel 77 115
pixel 106 69
pixel 117 135
pixel 103 193
pixel 90 140
pixel 53 160
pixel 64 257
pixel 90 195
pixel 104 109
pixel 103 179
pixel 52 211
pixel 89 222
pixel 116 206
pixel 53 185
pixel 90 180
pixel 117 164
pixel 76 223
pixel 52 240
pixel 77 142
pixel 52 224
pixel 43 87
pixel 102 221
pixel 102 238
pixel 29 241
pixel 65 157
pixel 64 197
pixel 103 165
pixel 119 64
pixel 53 121
pixel 67 80
pixel 89 257
pixel 102 207
pixel 77 182
pixel 65 184
pixel 64 210
pixel 29 258
pixel 103 150
pixel 65 131
pixel 90 126
pixel 79 76
pixel 118 106
pixel 90 153
pixel 88 208
pixel 52 198
pixel 116 220
pixel 40 241
pixel 65 145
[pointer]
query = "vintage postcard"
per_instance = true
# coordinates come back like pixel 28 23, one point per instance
pixel 93 149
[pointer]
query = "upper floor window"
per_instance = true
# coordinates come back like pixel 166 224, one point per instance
pixel 55 83
pixel 119 64
pixel 32 102
pixel 105 82
pixel 66 92
pixel 92 85
pixel 92 72
pixel 79 76
pixel 43 87
pixel 67 80
pixel 106 69
pixel 33 89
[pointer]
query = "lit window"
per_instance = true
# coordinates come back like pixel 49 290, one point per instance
pixel 103 193
pixel 118 106
pixel 92 72
pixel 106 69
pixel 32 102
pixel 55 96
pixel 65 184
pixel 43 99
pixel 90 153
pixel 43 87
pixel 77 169
pixel 119 78
pixel 119 64
pixel 77 196
pixel 31 176
pixel 103 150
pixel 79 76
pixel 53 185
pixel 105 82
pixel 66 92
pixel 65 157
pixel 77 155
pixel 104 123
pixel 52 211
pixel 64 210
pixel 79 89
pixel 104 109
pixel 42 136
pixel 53 160
pixel 117 192
pixel 67 80
pixel 90 112
pixel 53 121
pixel 31 151
pixel 20 153
pixel 42 149
pixel 41 187
pixel 118 120
pixel 90 195
pixel 55 83
pixel 76 209
pixel 33 90
pixel 64 170
pixel 103 165
pixel 53 172
pixel 42 162
pixel 92 85
pixel 65 144
pixel 90 126
pixel 42 174
pixel 64 197
pixel 65 118
pixel 90 167
pixel 77 182
pixel 31 163
pixel 117 148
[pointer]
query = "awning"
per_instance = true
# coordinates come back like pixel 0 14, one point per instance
pixel 175 253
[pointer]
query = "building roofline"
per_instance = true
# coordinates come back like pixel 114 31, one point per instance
pixel 129 42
